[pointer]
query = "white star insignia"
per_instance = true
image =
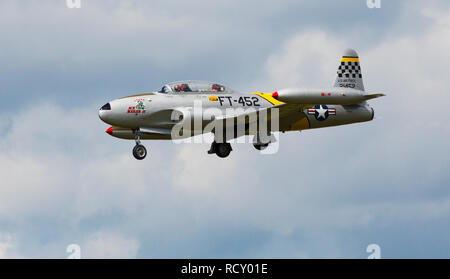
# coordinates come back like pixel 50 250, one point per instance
pixel 321 111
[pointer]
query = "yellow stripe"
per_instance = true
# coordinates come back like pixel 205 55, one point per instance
pixel 268 97
pixel 350 59
pixel 213 98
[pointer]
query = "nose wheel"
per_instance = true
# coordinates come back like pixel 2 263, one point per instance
pixel 139 151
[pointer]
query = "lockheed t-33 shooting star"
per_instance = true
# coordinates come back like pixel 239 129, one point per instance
pixel 173 111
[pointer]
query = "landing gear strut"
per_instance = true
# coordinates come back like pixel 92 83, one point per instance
pixel 220 149
pixel 139 151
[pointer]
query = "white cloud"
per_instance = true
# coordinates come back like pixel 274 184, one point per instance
pixel 109 245
pixel 307 59
pixel 8 247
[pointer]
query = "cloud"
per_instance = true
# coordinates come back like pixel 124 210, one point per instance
pixel 106 245
pixel 306 59
pixel 110 49
pixel 7 247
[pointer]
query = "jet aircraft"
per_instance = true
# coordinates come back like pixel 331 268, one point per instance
pixel 171 112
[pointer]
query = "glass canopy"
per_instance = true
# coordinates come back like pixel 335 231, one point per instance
pixel 193 86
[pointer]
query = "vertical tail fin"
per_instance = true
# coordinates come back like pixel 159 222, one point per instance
pixel 349 71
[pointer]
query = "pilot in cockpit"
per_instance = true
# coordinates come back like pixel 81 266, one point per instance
pixel 166 89
pixel 185 88
pixel 218 87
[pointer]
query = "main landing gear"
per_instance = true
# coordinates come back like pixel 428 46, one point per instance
pixel 261 143
pixel 222 149
pixel 260 146
pixel 139 151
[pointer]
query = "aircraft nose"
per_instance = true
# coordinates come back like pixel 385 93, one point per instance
pixel 104 111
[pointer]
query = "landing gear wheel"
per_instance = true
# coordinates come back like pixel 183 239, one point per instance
pixel 262 142
pixel 212 150
pixel 139 152
pixel 223 149
pixel 260 146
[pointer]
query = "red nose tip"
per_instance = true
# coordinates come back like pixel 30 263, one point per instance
pixel 275 95
pixel 109 130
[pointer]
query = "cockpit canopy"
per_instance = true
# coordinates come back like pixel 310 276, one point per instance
pixel 190 86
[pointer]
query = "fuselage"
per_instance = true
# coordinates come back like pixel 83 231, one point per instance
pixel 154 112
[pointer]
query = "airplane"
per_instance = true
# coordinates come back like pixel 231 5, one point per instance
pixel 155 115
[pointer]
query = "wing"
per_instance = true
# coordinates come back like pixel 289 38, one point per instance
pixel 246 122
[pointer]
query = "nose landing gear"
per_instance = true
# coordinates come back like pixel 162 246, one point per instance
pixel 139 151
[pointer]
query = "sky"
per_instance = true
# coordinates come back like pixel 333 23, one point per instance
pixel 327 193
